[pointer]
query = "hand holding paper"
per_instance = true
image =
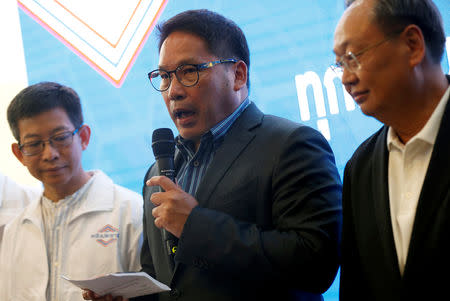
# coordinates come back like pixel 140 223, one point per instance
pixel 127 285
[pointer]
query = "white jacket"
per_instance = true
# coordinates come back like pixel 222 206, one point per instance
pixel 14 198
pixel 104 235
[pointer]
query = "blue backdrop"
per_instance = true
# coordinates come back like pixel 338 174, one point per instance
pixel 290 44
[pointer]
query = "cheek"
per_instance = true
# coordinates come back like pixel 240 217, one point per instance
pixel 167 104
pixel 32 166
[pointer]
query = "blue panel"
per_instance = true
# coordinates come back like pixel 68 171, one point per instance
pixel 286 38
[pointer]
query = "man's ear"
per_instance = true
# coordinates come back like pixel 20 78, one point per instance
pixel 16 151
pixel 240 75
pixel 85 136
pixel 415 42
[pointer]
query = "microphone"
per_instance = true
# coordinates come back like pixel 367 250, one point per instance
pixel 163 145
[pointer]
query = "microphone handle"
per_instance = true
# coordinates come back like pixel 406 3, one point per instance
pixel 166 168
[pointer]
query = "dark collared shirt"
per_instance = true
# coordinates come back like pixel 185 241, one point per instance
pixel 195 164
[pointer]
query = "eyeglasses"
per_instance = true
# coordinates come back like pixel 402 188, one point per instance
pixel 59 140
pixel 350 62
pixel 187 74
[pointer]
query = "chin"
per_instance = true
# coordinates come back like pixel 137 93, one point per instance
pixel 55 179
pixel 190 133
pixel 366 109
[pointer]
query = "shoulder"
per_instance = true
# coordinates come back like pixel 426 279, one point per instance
pixel 129 198
pixel 363 155
pixel 130 204
pixel 286 132
pixel 276 125
pixel 121 194
pixel 117 202
pixel 279 136
pixel 13 194
pixel 126 193
pixel 15 224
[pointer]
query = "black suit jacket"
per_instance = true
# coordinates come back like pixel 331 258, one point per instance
pixel 370 267
pixel 268 220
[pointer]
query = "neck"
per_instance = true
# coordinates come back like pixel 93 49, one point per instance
pixel 59 192
pixel 417 106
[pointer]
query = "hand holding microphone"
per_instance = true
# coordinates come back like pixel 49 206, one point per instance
pixel 173 205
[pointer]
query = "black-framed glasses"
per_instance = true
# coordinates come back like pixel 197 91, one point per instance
pixel 186 74
pixel 59 140
pixel 350 62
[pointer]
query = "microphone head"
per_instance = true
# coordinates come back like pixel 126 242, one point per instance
pixel 163 143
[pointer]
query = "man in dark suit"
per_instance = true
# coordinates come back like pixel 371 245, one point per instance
pixel 396 196
pixel 257 209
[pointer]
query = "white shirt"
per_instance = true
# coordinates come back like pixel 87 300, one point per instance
pixel 408 164
pixel 55 216
pixel 102 234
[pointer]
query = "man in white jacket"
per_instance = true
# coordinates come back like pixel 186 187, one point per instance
pixel 83 224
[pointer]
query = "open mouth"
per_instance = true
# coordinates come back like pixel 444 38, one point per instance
pixel 181 114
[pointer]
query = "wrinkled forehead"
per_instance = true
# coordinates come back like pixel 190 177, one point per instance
pixel 44 124
pixel 355 27
pixel 181 48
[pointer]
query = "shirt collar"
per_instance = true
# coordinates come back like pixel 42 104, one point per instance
pixel 68 200
pixel 429 132
pixel 99 198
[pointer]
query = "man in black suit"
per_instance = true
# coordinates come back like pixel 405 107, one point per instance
pixel 257 208
pixel 396 196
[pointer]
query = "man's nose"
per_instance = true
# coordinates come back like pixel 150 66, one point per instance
pixel 176 90
pixel 349 78
pixel 50 152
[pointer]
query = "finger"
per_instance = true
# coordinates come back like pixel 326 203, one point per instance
pixel 158 222
pixel 155 212
pixel 89 295
pixel 162 181
pixel 157 198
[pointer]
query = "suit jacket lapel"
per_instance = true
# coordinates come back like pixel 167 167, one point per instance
pixel 238 137
pixel 235 141
pixel 435 186
pixel 380 194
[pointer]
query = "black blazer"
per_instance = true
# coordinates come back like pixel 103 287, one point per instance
pixel 268 220
pixel 370 267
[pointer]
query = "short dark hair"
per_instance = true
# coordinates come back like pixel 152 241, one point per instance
pixel 224 38
pixel 397 14
pixel 43 97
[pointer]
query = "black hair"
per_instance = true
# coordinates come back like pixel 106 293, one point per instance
pixel 43 97
pixel 223 37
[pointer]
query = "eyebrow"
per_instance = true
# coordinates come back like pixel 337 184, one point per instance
pixel 183 62
pixel 344 45
pixel 52 132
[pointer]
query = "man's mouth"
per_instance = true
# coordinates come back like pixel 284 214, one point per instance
pixel 54 169
pixel 181 114
pixel 359 97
